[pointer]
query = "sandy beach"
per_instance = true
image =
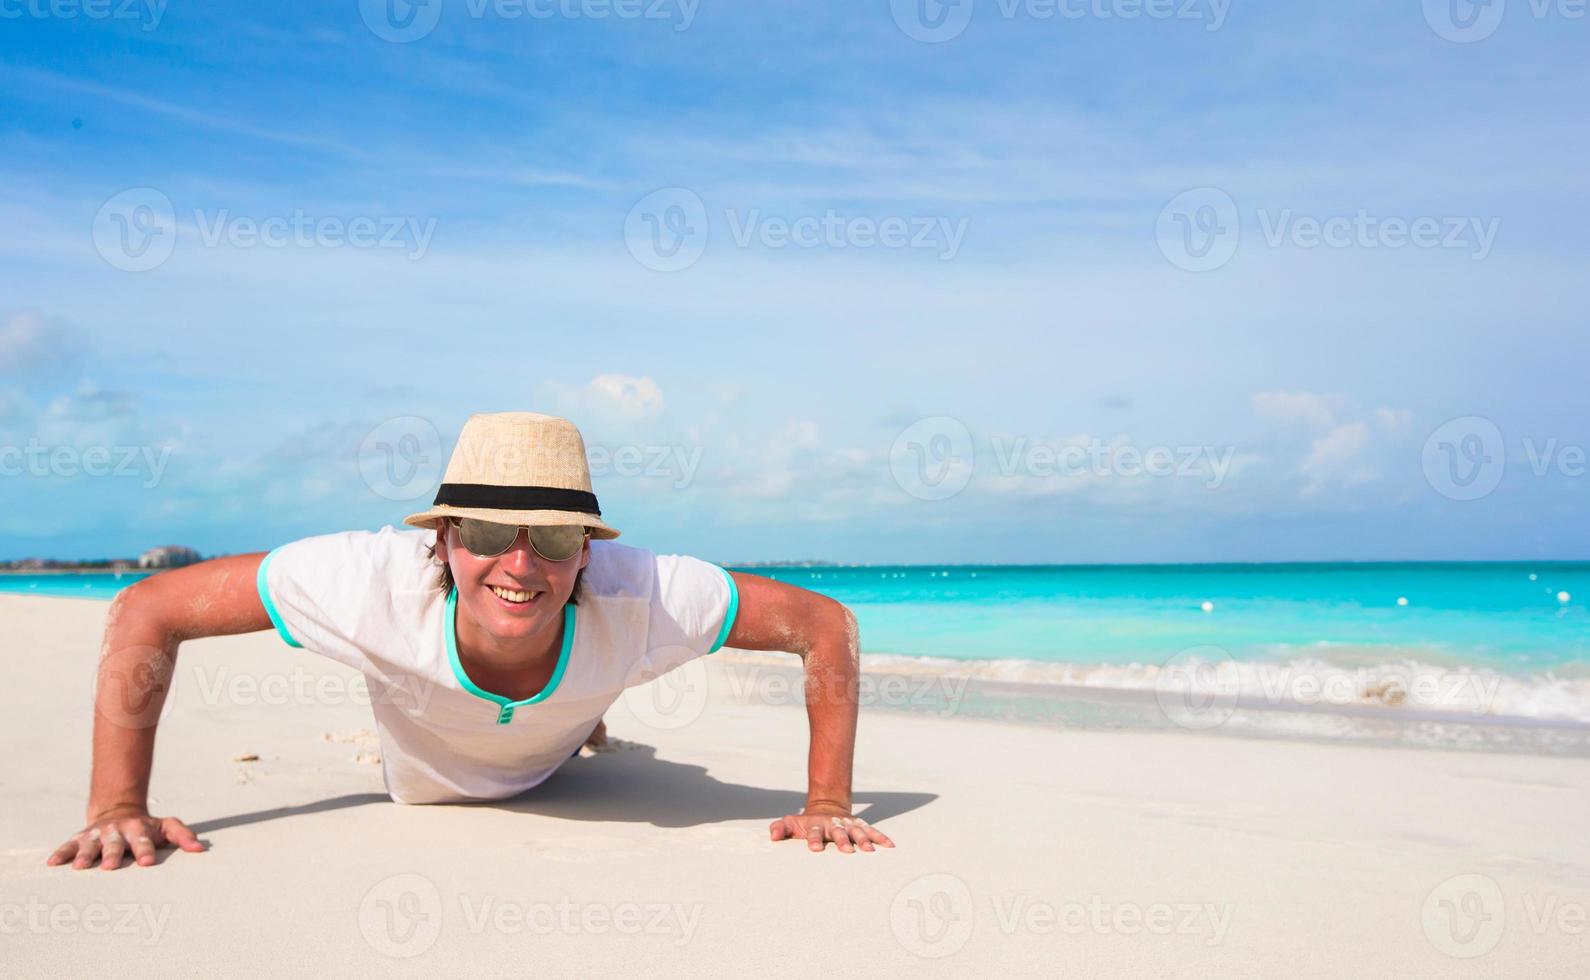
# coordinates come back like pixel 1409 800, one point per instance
pixel 1023 849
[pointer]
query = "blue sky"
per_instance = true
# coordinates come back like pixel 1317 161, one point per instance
pixel 666 223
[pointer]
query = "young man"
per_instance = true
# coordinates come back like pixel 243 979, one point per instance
pixel 493 641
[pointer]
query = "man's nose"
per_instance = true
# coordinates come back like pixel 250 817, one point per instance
pixel 520 559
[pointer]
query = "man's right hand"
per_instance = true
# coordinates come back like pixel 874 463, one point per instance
pixel 110 835
pixel 146 623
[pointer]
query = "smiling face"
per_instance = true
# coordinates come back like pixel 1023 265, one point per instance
pixel 516 594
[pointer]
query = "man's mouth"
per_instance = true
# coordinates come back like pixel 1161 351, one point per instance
pixel 514 597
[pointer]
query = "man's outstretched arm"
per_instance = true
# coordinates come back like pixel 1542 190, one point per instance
pixel 774 615
pixel 147 622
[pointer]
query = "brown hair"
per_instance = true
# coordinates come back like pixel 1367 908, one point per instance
pixel 444 577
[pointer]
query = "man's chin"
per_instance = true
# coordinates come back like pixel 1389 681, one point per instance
pixel 515 625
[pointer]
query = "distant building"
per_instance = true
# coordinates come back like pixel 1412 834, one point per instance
pixel 168 556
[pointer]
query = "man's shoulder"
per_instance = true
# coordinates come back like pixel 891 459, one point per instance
pixel 382 544
pixel 624 571
pixel 619 571
pixel 402 557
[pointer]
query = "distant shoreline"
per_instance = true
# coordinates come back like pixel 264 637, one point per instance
pixel 1074 566
pixel 97 570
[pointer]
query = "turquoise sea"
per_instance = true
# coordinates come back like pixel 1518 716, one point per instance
pixel 1506 616
pixel 1496 639
pixel 75 585
pixel 1523 628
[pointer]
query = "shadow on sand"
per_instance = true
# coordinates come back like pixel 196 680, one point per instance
pixel 628 784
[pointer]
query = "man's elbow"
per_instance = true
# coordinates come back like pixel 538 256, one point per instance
pixel 124 604
pixel 852 631
pixel 840 631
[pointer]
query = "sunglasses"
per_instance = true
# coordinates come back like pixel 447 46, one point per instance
pixel 486 539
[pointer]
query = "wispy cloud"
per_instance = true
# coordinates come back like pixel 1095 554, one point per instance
pixel 784 372
pixel 31 80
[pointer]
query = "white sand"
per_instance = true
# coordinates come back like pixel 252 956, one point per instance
pixel 1022 850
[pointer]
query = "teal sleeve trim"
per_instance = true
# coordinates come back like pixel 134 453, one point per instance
pixel 262 582
pixel 728 616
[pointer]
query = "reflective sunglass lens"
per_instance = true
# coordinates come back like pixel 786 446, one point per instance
pixel 558 542
pixel 485 539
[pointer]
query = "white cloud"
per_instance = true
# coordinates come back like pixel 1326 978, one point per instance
pixel 92 416
pixel 1341 447
pixel 14 410
pixel 613 402
pixel 791 474
pixel 1334 457
pixel 1394 420
pixel 635 397
pixel 31 343
pixel 783 462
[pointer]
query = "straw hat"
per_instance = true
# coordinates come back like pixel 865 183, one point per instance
pixel 517 468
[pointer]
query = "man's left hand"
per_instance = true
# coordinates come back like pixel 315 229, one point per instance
pixel 817 825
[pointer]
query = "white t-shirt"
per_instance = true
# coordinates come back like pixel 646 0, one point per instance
pixel 372 600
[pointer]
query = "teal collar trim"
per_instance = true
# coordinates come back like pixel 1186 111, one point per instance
pixel 505 707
